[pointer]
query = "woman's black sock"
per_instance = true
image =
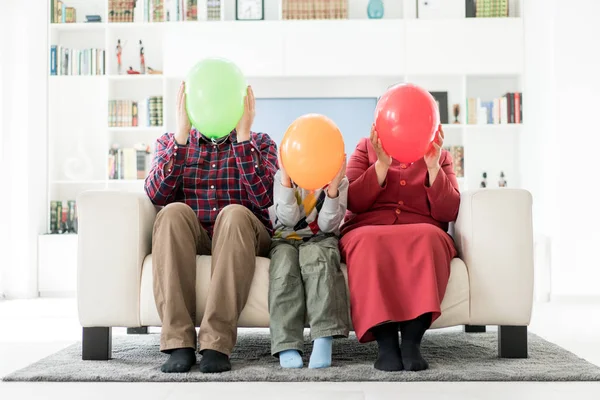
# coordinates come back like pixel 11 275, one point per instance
pixel 389 358
pixel 412 333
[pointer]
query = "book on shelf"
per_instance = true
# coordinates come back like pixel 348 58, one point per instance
pixel 61 14
pixel 129 163
pixel 458 159
pixel 491 8
pixel 121 10
pixel 64 61
pixel 63 217
pixel 213 10
pixel 314 9
pixel 507 109
pixel 165 10
pixel 127 113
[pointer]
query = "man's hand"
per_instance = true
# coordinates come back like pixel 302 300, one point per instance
pixel 245 124
pixel 183 121
pixel 332 190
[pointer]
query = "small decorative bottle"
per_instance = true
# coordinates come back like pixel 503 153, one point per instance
pixel 142 59
pixel 502 181
pixel 375 9
pixel 483 183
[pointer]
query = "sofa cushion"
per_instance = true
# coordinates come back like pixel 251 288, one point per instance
pixel 455 306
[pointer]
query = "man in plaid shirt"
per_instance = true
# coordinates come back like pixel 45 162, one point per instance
pixel 216 195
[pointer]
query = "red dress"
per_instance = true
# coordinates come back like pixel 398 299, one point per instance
pixel 394 239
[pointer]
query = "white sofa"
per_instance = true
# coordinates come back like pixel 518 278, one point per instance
pixel 491 283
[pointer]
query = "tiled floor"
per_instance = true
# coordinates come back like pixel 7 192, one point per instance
pixel 32 329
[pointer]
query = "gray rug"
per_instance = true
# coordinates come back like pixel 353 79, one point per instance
pixel 453 356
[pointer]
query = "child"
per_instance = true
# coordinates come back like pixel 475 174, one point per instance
pixel 305 278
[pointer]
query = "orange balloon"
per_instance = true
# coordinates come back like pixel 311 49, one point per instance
pixel 312 151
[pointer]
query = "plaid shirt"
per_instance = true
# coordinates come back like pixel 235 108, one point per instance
pixel 209 176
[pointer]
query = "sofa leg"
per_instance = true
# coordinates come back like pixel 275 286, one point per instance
pixel 97 344
pixel 475 328
pixel 142 330
pixel 512 341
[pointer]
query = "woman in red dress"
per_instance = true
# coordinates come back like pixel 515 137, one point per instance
pixel 397 248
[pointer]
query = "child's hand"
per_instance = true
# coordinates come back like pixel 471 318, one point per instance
pixel 285 178
pixel 332 190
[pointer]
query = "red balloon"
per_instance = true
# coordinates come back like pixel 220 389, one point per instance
pixel 406 120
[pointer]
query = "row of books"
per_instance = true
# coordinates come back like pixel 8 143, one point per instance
pixel 507 109
pixel 129 163
pixel 120 10
pixel 314 9
pixel 63 217
pixel 157 10
pixel 64 61
pixel 60 13
pixel 127 113
pixel 166 10
pixel 491 8
pixel 458 158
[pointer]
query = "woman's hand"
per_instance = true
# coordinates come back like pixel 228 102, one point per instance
pixel 432 157
pixel 382 156
pixel 183 122
pixel 384 160
pixel 332 189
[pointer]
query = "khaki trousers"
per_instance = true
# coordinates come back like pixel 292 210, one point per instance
pixel 176 240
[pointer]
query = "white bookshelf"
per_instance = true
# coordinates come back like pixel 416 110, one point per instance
pixel 358 57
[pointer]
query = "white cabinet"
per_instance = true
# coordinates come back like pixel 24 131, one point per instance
pixel 468 46
pixel 344 48
pixel 257 48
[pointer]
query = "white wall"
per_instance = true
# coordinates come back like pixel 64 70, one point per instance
pixel 24 98
pixel 577 68
pixel 559 147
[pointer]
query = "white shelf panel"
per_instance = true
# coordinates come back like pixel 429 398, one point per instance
pixel 257 48
pixel 79 26
pixel 137 129
pixel 90 182
pixel 492 126
pixel 344 48
pixel 136 77
pixel 468 46
pixel 71 78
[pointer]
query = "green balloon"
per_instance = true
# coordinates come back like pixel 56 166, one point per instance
pixel 215 90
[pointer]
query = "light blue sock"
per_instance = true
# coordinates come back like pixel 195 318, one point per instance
pixel 321 354
pixel 290 359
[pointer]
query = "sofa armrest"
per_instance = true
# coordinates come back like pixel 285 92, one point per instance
pixel 494 236
pixel 115 235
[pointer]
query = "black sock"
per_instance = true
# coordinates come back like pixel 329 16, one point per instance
pixel 389 358
pixel 212 361
pixel 180 360
pixel 412 333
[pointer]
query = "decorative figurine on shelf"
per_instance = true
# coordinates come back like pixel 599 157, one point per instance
pixel 375 9
pixel 483 183
pixel 502 182
pixel 131 71
pixel 119 54
pixel 456 113
pixel 142 59
pixel 152 71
